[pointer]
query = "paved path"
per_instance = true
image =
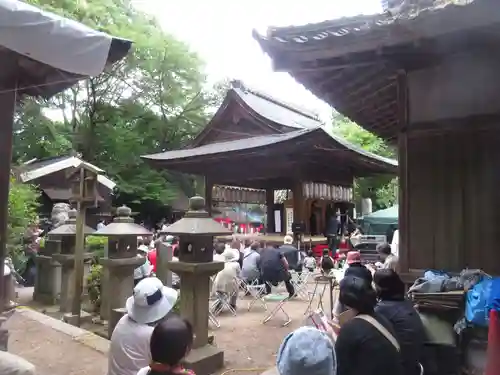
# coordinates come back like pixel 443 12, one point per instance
pixel 54 347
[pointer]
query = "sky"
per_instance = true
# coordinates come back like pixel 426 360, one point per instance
pixel 220 31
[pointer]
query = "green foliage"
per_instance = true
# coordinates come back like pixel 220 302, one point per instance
pixel 381 189
pixel 154 100
pixel 23 203
pixel 94 279
pixel 96 245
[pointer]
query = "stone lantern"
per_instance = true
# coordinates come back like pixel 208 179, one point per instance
pixel 66 234
pixel 119 263
pixel 195 266
pixel 48 273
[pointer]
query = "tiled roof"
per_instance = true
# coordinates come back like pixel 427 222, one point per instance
pixel 228 146
pixel 352 63
pixel 313 34
pixel 261 142
pixel 276 110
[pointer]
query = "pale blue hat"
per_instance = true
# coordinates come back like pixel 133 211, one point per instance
pixel 307 350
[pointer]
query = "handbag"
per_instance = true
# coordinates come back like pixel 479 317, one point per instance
pixel 381 329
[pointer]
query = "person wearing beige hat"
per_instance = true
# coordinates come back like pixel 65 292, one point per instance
pixel 225 283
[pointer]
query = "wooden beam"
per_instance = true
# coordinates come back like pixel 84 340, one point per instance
pixel 463 125
pixel 404 185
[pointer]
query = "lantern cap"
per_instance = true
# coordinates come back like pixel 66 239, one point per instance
pixel 123 225
pixel 197 222
pixel 69 226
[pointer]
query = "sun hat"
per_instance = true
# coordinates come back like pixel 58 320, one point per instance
pixel 231 255
pixel 353 257
pixel 169 238
pixel 143 248
pixel 288 240
pixel 151 301
pixel 307 350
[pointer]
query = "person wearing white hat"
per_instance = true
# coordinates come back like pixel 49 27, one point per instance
pixel 129 347
pixel 145 269
pixel 225 283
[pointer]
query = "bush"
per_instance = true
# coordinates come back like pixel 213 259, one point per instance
pixel 23 204
pixel 94 289
pixel 96 245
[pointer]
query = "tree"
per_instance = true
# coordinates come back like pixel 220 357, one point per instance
pixel 155 100
pixel 23 203
pixel 381 189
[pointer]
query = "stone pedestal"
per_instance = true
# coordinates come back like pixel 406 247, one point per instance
pixel 116 315
pixel 104 309
pixel 48 274
pixel 163 256
pixel 120 282
pixel 67 262
pixel 195 288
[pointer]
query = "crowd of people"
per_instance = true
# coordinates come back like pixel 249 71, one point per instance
pixel 378 332
pixel 255 264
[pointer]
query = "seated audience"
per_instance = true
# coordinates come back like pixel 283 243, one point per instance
pixel 225 283
pixel 145 269
pixel 218 251
pixel 251 260
pixel 310 261
pixel 366 343
pixel 129 346
pixel 274 269
pixel 171 341
pixel 356 268
pixel 291 253
pixel 307 351
pixel 405 319
pixel 389 260
pixel 326 262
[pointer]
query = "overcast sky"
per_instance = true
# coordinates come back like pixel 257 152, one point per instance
pixel 220 31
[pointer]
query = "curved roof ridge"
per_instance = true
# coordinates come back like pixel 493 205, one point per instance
pixel 238 84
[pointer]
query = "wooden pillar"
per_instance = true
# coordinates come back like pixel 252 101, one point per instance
pixel 404 209
pixel 209 187
pixel 270 211
pixel 8 96
pixel 298 203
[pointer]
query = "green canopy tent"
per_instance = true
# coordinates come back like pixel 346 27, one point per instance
pixel 380 221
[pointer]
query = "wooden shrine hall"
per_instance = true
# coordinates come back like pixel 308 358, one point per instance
pixel 255 141
pixel 423 75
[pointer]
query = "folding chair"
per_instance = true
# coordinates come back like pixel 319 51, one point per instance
pixel 257 291
pixel 223 300
pixel 212 319
pixel 299 282
pixel 212 304
pixel 282 299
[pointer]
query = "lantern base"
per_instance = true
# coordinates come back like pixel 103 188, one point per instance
pixel 205 360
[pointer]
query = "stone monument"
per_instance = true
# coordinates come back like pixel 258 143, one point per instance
pixel 66 233
pixel 195 266
pixel 120 262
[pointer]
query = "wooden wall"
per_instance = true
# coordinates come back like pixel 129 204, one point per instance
pixel 453 199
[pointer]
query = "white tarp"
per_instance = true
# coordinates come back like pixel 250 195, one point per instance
pixel 50 39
